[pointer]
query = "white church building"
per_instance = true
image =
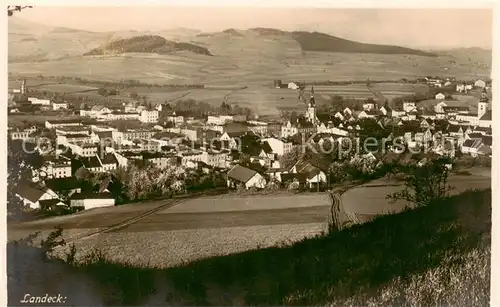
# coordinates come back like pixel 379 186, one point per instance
pixel 483 118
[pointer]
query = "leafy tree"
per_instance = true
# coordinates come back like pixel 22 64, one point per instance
pixel 424 183
pixel 102 91
pixel 21 159
pixel 16 8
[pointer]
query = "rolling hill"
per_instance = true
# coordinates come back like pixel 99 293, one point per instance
pixel 146 44
pixel 326 43
pixel 241 57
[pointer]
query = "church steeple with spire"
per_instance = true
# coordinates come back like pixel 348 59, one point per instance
pixel 312 102
pixel 24 89
pixel 482 105
pixel 311 108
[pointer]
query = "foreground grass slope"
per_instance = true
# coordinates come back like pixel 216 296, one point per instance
pixel 428 256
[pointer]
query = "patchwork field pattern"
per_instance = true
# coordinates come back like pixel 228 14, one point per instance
pixel 195 228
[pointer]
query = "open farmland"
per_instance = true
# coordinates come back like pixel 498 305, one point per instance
pixel 65 88
pixel 242 67
pixel 370 199
pixel 392 90
pixel 350 91
pixel 461 100
pixel 194 228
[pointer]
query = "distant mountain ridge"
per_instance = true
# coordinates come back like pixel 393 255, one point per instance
pixel 146 44
pixel 29 41
pixel 317 41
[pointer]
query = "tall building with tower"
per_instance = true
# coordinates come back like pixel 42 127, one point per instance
pixel 311 108
pixel 483 104
pixel 24 88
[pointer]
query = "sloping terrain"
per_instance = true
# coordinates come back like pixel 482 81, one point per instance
pixel 241 57
pixel 35 42
pixel 432 256
pixel 146 44
pixel 326 43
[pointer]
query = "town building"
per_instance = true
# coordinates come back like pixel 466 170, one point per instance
pixel 94 200
pixel 53 123
pixel 31 194
pixel 149 116
pixel 59 106
pixel 240 175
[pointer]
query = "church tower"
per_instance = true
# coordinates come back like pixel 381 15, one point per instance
pixel 311 108
pixel 482 105
pixel 24 89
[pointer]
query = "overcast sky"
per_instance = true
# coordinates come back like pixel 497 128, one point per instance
pixel 423 28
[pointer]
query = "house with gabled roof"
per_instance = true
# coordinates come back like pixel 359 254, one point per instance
pixel 93 163
pixel 31 194
pixel 249 178
pixel 474 147
pixel 339 115
pixel 314 170
pixel 109 162
pixel 424 124
pixel 64 187
pixel 386 111
pixel 455 130
pixel 347 111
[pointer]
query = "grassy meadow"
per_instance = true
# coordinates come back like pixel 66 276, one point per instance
pixel 433 256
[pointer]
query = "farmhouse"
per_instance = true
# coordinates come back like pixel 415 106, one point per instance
pixel 480 83
pixel 293 85
pixel 90 201
pixel 440 96
pixel 31 194
pixel 245 176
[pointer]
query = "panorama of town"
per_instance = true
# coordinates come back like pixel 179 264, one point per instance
pixel 80 158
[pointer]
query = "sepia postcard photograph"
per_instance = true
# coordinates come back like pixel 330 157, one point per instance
pixel 177 154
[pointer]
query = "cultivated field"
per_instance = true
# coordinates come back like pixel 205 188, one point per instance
pixel 65 88
pixel 194 228
pixel 392 90
pixel 351 91
pixel 462 100
pixel 243 68
pixel 371 198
